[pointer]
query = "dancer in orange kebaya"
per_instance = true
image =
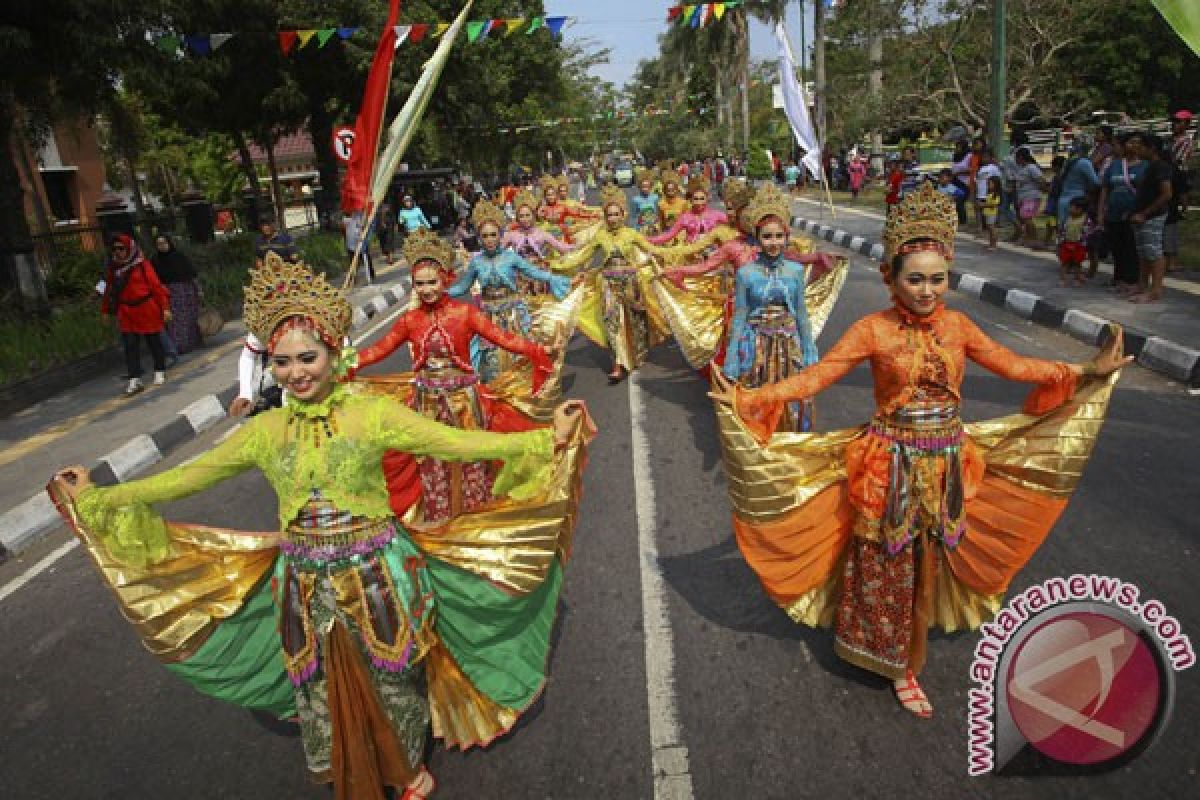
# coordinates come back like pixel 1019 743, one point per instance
pixel 915 519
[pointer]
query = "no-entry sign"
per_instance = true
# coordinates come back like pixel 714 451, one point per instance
pixel 343 143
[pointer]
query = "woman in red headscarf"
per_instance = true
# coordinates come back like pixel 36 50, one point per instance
pixel 141 304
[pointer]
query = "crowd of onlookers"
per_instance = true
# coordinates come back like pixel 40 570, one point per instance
pixel 1117 194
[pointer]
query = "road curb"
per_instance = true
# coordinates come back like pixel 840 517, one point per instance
pixel 1174 360
pixel 23 524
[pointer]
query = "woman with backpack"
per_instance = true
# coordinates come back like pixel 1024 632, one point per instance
pixel 134 294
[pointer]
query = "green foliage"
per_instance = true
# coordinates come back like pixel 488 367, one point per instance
pixel 75 274
pixel 758 165
pixel 35 344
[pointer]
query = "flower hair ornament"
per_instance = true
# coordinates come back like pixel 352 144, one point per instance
pixel 613 196
pixel 524 198
pixel 488 212
pixel 765 203
pixel 922 220
pixel 281 290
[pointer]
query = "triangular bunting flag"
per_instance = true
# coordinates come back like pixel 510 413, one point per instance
pixel 474 29
pixel 442 26
pixel 168 44
pixel 324 35
pixel 697 16
pixel 198 43
pixel 718 10
pixel 402 32
pixel 287 40
pixel 495 26
pixel 673 13
pixel 555 24
pixel 536 23
pixel 514 25
pixel 418 32
pixel 347 32
pixel 305 36
pixel 218 39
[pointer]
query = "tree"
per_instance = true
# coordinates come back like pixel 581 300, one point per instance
pixel 57 62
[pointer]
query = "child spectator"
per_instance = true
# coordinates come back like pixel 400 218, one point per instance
pixel 991 207
pixel 987 171
pixel 1072 243
pixel 895 182
pixel 1050 210
pixel 948 186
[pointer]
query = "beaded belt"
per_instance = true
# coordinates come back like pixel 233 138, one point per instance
pixel 443 376
pixel 931 429
pixel 619 272
pixel 335 546
pixel 773 319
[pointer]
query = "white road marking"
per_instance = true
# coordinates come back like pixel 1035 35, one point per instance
pixel 1014 332
pixel 37 569
pixel 668 753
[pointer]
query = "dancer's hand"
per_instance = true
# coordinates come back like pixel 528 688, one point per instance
pixel 566 417
pixel 73 480
pixel 240 406
pixel 723 390
pixel 1111 356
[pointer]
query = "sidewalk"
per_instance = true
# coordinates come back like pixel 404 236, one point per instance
pixel 119 437
pixel 1165 336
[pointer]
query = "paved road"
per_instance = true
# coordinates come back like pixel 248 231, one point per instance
pixel 764 708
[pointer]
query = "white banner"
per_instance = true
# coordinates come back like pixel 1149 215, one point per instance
pixel 795 106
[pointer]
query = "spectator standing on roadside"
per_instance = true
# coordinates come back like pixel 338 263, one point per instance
pixel 1182 142
pixel 1078 180
pixel 352 229
pixel 1149 217
pixel 1028 183
pixel 960 169
pixel 912 170
pixel 895 185
pixel 791 176
pixel 1118 191
pixel 987 170
pixel 991 207
pixel 858 173
pixel 1102 149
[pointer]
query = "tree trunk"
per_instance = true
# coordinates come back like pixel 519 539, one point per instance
pixel 320 126
pixel 18 266
pixel 719 98
pixel 875 85
pixel 819 71
pixel 743 68
pixel 239 141
pixel 276 189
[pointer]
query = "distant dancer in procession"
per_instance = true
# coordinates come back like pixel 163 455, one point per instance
pixel 645 204
pixel 498 273
pixel 916 519
pixel 673 203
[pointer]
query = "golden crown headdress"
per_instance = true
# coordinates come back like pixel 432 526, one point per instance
pixel 923 214
pixel 646 175
pixel 664 165
pixel 547 181
pixel 486 211
pixel 425 245
pixel 671 176
pixel 737 193
pixel 525 198
pixel 563 183
pixel 281 289
pixel 612 195
pixel 767 201
pixel 697 183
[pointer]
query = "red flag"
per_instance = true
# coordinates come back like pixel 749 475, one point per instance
pixel 673 12
pixel 286 41
pixel 369 125
pixel 418 32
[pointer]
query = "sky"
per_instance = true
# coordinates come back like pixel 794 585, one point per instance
pixel 631 29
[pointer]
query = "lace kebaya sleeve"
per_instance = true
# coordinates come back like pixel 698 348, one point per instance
pixel 761 408
pixel 121 515
pixel 390 343
pixel 528 456
pixel 1056 380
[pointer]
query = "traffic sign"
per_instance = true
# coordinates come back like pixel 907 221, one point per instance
pixel 343 143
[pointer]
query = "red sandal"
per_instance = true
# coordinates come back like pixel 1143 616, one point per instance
pixel 425 787
pixel 911 696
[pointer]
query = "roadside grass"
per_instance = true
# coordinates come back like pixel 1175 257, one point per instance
pixel 73 328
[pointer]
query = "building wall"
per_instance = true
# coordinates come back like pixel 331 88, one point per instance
pixel 65 177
